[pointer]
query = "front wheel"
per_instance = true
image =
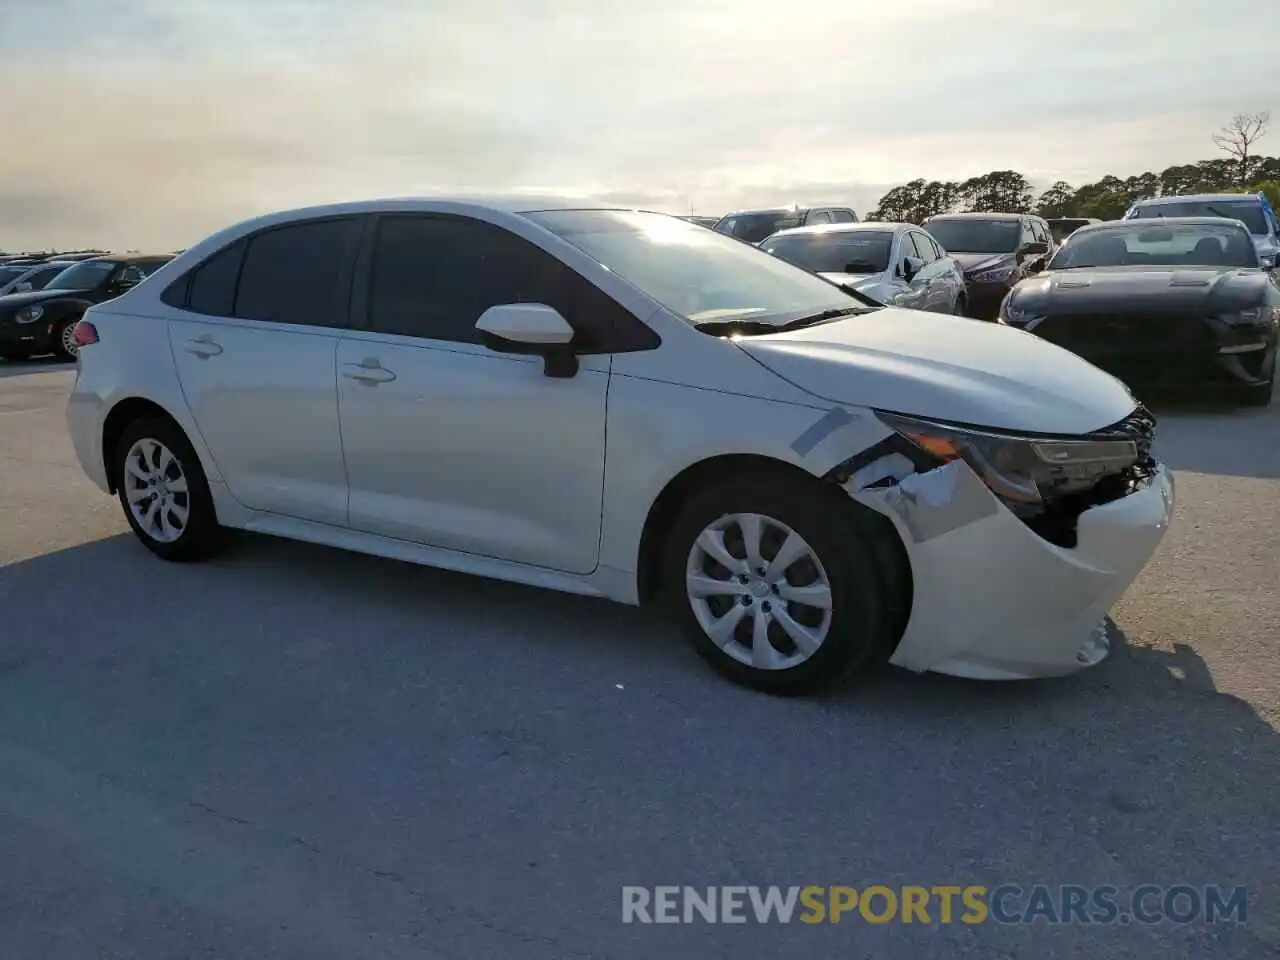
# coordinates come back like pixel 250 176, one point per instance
pixel 777 584
pixel 163 491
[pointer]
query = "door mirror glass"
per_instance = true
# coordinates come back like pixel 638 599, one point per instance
pixel 23 287
pixel 911 266
pixel 530 328
pixel 1035 248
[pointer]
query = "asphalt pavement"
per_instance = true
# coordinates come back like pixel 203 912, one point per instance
pixel 294 752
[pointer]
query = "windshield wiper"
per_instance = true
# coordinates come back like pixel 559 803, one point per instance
pixel 751 328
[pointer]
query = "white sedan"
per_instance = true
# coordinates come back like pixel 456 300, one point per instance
pixel 894 263
pixel 627 405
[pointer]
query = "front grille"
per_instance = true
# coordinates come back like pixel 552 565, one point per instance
pixel 1110 332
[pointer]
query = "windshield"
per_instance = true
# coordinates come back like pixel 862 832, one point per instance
pixel 754 227
pixel 83 276
pixel 694 272
pixel 1061 229
pixel 1248 210
pixel 976 236
pixel 1158 245
pixel 850 251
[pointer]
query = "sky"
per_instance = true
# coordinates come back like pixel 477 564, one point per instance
pixel 147 124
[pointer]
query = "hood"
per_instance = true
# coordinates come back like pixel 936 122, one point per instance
pixel 977 262
pixel 946 368
pixel 15 300
pixel 1205 290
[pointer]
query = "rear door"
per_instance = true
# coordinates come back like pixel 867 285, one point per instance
pixel 255 349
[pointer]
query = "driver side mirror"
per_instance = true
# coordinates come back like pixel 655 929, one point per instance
pixel 23 287
pixel 1035 248
pixel 531 329
pixel 910 267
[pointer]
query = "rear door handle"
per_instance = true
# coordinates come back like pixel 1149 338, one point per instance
pixel 202 347
pixel 368 372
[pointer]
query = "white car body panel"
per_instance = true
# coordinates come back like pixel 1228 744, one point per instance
pixel 908 361
pixel 265 405
pixel 475 461
pixel 448 452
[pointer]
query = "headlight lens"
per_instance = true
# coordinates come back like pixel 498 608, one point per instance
pixel 1019 470
pixel 1016 316
pixel 29 314
pixel 996 274
pixel 1253 317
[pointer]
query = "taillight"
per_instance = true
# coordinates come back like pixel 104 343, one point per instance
pixel 86 334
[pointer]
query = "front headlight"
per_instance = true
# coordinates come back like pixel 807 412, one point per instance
pixel 29 314
pixel 1253 317
pixel 1016 316
pixel 996 274
pixel 1021 471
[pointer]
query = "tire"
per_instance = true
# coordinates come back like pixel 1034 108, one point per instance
pixel 144 443
pixel 1258 395
pixel 62 348
pixel 960 308
pixel 840 535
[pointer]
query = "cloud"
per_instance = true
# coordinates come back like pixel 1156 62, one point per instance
pixel 165 120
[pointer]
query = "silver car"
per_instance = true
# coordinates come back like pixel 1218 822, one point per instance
pixel 627 405
pixel 893 263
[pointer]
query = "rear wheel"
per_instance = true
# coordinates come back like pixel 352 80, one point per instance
pixel 163 491
pixel 64 340
pixel 776 582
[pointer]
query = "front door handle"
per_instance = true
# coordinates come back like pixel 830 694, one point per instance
pixel 203 347
pixel 368 372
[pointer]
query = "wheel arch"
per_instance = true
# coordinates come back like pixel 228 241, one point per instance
pixel 118 419
pixel 698 476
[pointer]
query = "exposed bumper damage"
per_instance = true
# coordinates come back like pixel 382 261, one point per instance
pixel 993 598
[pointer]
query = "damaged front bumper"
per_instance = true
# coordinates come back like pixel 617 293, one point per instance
pixel 992 599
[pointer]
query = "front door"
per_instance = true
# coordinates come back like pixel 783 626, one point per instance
pixel 450 444
pixel 255 348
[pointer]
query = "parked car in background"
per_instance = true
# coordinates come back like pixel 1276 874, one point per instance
pixel 995 250
pixel 1062 227
pixel 1254 210
pixel 31 277
pixel 1180 302
pixel 752 226
pixel 708 222
pixel 893 263
pixel 43 321
pixel 622 404
pixel 11 272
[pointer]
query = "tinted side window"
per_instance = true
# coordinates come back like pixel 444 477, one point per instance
pixel 213 283
pixel 843 216
pixel 1038 231
pixel 1027 235
pixel 292 274
pixel 433 277
pixel 818 216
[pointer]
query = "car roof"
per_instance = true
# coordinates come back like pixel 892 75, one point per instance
pixel 978 215
pixel 124 258
pixel 1154 224
pixel 883 226
pixel 1202 197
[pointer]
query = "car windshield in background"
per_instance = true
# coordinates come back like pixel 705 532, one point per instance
pixel 83 276
pixel 1249 212
pixel 754 227
pixel 1156 245
pixel 862 251
pixel 976 236
pixel 1061 229
pixel 694 272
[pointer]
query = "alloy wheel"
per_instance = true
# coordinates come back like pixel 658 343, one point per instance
pixel 68 339
pixel 759 591
pixel 155 487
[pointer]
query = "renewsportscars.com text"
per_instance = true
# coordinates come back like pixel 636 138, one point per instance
pixel 944 904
